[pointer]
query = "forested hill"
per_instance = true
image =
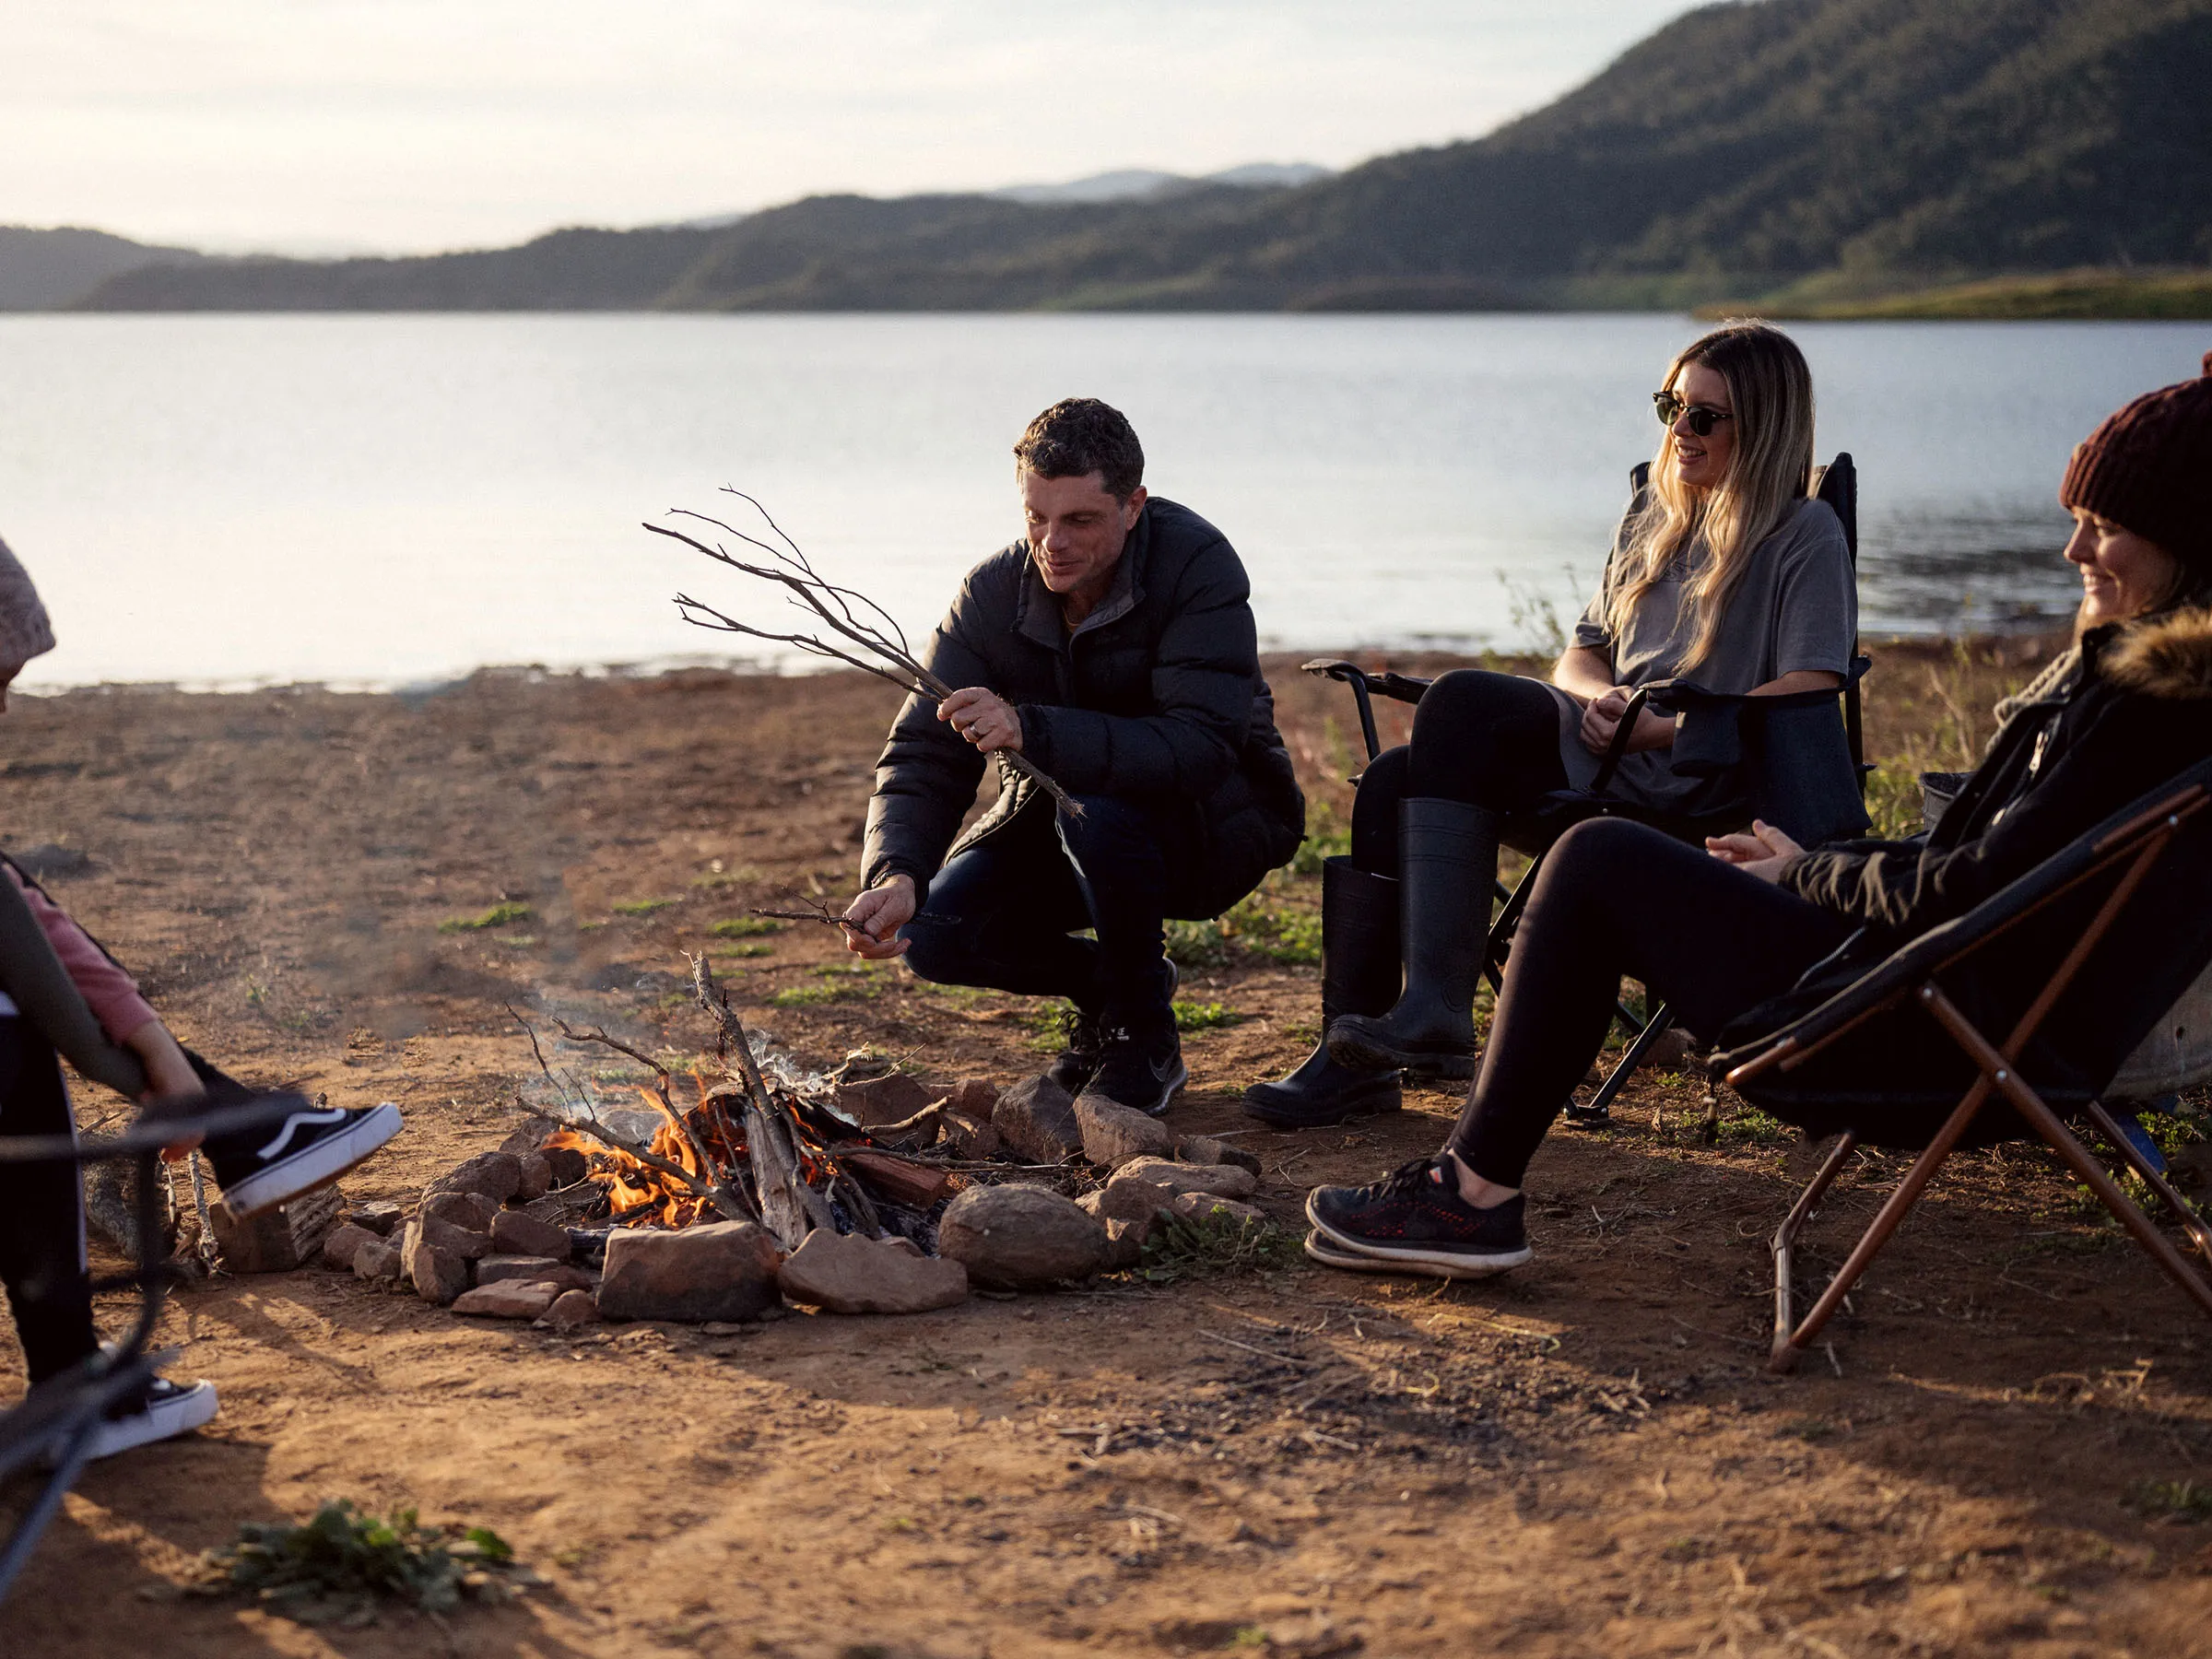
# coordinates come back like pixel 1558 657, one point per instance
pixel 1741 150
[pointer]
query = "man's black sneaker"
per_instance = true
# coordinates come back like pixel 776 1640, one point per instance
pixel 1086 1041
pixel 1140 1070
pixel 1414 1219
pixel 311 1147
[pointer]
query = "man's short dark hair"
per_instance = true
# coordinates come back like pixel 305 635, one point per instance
pixel 1079 436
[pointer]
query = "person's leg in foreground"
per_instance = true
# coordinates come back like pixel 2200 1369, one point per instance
pixel 1613 899
pixel 42 1261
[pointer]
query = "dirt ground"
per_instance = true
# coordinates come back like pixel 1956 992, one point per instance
pixel 1583 1456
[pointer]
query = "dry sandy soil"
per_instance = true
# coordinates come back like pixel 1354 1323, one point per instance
pixel 1584 1457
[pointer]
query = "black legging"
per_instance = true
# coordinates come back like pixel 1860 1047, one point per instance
pixel 1489 739
pixel 41 1225
pixel 1618 899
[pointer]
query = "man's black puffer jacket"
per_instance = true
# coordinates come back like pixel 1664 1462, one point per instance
pixel 1156 698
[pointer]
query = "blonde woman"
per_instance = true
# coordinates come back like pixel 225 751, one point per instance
pixel 1725 572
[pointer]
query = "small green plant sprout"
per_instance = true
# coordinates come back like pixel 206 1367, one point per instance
pixel 642 907
pixel 499 915
pixel 1204 1017
pixel 340 1564
pixel 747 928
pixel 2176 1503
pixel 1223 1243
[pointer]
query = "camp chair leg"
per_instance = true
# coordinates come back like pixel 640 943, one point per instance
pixel 1788 1345
pixel 1785 1238
pixel 2077 1157
pixel 2183 1211
pixel 1600 1108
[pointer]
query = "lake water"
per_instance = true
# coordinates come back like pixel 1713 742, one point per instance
pixel 390 500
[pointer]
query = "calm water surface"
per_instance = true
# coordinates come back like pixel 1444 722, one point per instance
pixel 387 499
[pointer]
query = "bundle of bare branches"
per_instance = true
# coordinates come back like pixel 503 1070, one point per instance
pixel 874 643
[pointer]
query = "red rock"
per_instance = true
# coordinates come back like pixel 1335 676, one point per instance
pixel 881 1101
pixel 1020 1237
pixel 497 1176
pixel 1125 1241
pixel 515 1233
pixel 1037 1119
pixel 378 1262
pixel 975 1099
pixel 570 1310
pixel 969 1138
pixel 472 1211
pixel 379 1215
pixel 1205 1150
pixel 844 1273
pixel 508 1298
pixel 537 1178
pixel 344 1244
pixel 716 1270
pixel 532 1270
pixel 1114 1134
pixel 460 1241
pixel 438 1275
pixel 1226 1180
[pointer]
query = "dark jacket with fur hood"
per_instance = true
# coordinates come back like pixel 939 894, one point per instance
pixel 1155 698
pixel 2134 708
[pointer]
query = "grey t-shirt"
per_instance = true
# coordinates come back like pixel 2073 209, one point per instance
pixel 1797 607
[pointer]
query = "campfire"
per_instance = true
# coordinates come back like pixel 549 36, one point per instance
pixel 740 1147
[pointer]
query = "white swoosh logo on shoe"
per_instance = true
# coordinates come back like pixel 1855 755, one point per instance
pixel 336 1114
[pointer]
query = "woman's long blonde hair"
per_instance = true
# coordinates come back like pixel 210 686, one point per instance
pixel 1771 392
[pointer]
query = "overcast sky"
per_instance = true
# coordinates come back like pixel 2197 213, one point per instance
pixel 316 125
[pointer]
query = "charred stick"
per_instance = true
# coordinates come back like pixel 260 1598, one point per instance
pixel 788 1206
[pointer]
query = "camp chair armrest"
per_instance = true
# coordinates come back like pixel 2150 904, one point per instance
pixel 1401 687
pixel 1912 963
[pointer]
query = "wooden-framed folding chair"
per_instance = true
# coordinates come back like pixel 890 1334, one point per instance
pixel 1736 721
pixel 2037 1030
pixel 50 1430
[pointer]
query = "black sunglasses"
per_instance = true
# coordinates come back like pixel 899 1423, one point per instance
pixel 1671 408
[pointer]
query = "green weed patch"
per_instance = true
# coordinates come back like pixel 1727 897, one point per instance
pixel 499 915
pixel 340 1564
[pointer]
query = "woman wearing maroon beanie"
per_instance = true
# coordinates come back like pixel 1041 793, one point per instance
pixel 2125 708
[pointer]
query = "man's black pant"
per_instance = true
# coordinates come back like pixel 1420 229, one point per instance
pixel 41 1218
pixel 1005 914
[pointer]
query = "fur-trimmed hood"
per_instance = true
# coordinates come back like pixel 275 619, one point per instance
pixel 2167 656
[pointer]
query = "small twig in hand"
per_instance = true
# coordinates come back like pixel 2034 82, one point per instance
pixel 822 912
pixel 869 628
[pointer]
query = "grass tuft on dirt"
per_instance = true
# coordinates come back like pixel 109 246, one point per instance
pixel 2181 1502
pixel 499 915
pixel 1210 1246
pixel 747 928
pixel 338 1565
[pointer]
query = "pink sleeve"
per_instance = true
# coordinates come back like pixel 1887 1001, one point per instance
pixel 108 992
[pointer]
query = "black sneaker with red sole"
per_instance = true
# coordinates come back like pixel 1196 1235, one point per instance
pixel 1414 1220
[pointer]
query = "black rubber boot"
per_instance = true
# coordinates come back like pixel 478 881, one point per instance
pixel 1358 975
pixel 1447 866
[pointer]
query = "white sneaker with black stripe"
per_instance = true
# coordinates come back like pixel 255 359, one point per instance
pixel 170 1408
pixel 314 1147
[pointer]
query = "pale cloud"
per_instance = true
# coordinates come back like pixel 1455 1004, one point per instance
pixel 419 124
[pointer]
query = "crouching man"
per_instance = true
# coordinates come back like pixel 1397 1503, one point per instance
pixel 1114 648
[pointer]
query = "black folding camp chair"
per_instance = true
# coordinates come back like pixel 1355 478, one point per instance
pixel 50 1430
pixel 1727 732
pixel 1948 1043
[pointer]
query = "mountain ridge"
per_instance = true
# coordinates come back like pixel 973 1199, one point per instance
pixel 1747 147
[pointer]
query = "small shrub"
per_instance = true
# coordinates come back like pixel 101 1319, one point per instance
pixel 1220 1243
pixel 1204 1017
pixel 2181 1502
pixel 499 915
pixel 340 1563
pixel 642 907
pixel 746 928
